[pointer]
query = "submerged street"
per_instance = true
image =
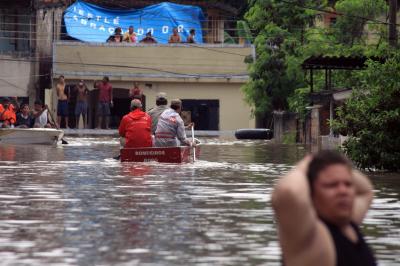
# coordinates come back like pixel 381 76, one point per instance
pixel 75 205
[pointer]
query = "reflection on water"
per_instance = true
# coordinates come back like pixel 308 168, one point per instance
pixel 74 205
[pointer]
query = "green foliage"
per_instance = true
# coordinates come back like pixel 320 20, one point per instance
pixel 286 36
pixel 298 102
pixel 350 28
pixel 228 38
pixel 371 117
pixel 289 138
pixel 276 73
pixel 243 31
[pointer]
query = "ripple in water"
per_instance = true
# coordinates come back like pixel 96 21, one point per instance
pixel 75 205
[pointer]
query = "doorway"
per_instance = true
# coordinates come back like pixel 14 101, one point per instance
pixel 121 106
pixel 204 113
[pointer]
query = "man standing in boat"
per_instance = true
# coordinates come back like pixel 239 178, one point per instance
pixel 62 104
pixel 155 112
pixel 170 131
pixel 135 127
pixel 319 206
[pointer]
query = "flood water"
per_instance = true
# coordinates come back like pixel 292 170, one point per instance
pixel 74 205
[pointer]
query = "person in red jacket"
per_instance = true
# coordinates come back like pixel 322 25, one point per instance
pixel 7 114
pixel 135 127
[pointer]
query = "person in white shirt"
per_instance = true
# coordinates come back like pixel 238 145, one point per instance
pixel 41 115
pixel 170 131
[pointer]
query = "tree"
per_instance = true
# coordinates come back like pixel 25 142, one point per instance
pixel 280 27
pixel 353 17
pixel 371 117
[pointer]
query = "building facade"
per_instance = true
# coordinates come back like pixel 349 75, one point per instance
pixel 207 77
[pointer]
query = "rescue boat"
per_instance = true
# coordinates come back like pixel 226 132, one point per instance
pixel 182 154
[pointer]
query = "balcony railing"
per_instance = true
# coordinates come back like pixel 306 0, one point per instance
pixel 206 62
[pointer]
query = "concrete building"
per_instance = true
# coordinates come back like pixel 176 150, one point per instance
pixel 207 78
pixel 27 30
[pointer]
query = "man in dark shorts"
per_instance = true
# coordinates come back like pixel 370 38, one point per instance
pixel 81 102
pixel 319 206
pixel 62 104
pixel 105 102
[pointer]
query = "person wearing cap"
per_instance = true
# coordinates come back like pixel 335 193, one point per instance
pixel 81 102
pixel 170 131
pixel 7 114
pixel 155 112
pixel 135 127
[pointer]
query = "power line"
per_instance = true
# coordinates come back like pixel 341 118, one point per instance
pixel 336 13
pixel 128 67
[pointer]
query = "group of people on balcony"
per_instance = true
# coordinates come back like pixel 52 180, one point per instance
pixel 131 37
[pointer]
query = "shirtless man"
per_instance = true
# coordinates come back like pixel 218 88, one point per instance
pixel 175 37
pixel 319 206
pixel 62 105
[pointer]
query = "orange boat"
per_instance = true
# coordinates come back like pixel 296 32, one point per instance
pixel 182 154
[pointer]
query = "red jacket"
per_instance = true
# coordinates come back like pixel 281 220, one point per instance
pixel 8 114
pixel 136 128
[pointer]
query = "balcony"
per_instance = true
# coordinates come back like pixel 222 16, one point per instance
pixel 152 62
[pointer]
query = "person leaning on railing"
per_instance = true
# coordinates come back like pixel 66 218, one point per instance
pixel 190 38
pixel 116 37
pixel 175 37
pixel 130 35
pixel 148 38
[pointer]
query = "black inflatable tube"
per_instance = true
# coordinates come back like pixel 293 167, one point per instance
pixel 257 133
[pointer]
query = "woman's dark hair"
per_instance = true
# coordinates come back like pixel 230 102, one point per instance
pixel 321 161
pixel 192 31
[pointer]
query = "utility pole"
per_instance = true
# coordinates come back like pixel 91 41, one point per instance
pixel 393 23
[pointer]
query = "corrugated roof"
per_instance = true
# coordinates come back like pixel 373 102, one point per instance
pixel 336 62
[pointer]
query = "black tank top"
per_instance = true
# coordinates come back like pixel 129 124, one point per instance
pixel 349 253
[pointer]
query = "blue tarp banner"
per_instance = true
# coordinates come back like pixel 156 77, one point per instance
pixel 91 23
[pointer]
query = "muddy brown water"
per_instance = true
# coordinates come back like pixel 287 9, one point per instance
pixel 74 205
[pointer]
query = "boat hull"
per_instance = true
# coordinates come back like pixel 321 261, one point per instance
pixel 45 136
pixel 159 154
